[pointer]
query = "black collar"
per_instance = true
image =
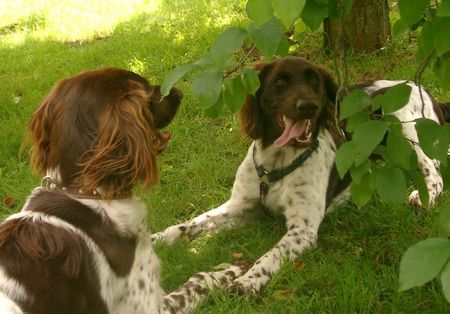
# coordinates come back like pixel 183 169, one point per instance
pixel 266 178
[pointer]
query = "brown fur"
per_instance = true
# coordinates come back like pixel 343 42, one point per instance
pixel 97 128
pixel 257 118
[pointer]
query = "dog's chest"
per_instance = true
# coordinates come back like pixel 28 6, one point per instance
pixel 306 185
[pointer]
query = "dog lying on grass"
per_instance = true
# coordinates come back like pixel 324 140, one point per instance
pixel 289 167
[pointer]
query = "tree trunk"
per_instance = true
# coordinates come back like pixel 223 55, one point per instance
pixel 365 29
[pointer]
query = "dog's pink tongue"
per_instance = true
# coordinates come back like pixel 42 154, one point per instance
pixel 163 138
pixel 291 131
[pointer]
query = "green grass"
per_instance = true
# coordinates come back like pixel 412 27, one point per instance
pixel 354 268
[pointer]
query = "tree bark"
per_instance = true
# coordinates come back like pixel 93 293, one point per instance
pixel 365 29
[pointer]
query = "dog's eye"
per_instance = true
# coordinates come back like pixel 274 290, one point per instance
pixel 313 80
pixel 280 82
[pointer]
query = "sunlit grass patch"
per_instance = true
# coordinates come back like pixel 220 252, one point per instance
pixel 67 20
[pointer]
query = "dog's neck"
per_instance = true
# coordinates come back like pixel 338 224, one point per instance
pixel 52 182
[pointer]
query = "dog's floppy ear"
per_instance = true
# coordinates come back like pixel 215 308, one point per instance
pixel 251 118
pixel 251 115
pixel 330 85
pixel 164 109
pixel 331 90
pixel 39 129
pixel 125 151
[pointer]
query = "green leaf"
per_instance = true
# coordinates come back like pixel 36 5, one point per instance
pixel 214 110
pixel 251 81
pixel 396 97
pixel 207 86
pixel 445 281
pixel 444 8
pixel 288 10
pixel 300 27
pixel 423 261
pixel 266 37
pixel 355 101
pixel 425 43
pixel 227 43
pixel 355 120
pixel 360 171
pixel 283 48
pixel 433 139
pixel 444 221
pixel 412 11
pixel 234 93
pixel 362 193
pixel 204 60
pixel 399 28
pixel 445 172
pixel 441 68
pixel 398 148
pixel 441 35
pixel 366 137
pixel 421 186
pixel 259 11
pixel 313 13
pixel 174 76
pixel 344 158
pixel 390 185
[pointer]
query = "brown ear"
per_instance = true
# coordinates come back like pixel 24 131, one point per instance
pixel 331 90
pixel 251 118
pixel 39 129
pixel 251 114
pixel 125 152
pixel 164 109
pixel 330 85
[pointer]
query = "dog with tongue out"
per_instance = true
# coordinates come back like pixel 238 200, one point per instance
pixel 287 167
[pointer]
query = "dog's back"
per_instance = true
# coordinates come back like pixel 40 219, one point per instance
pixel 46 263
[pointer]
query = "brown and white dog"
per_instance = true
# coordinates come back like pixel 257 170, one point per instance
pixel 289 167
pixel 81 244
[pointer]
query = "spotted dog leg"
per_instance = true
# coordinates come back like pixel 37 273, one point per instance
pixel 428 167
pixel 301 235
pixel 185 298
pixel 228 215
pixel 433 180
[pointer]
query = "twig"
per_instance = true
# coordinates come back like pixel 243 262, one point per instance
pixel 418 75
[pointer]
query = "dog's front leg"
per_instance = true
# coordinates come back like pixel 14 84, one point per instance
pixel 301 235
pixel 428 167
pixel 244 197
pixel 228 215
pixel 185 298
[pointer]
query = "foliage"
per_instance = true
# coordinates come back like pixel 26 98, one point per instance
pixel 223 79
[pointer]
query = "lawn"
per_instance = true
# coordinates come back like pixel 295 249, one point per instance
pixel 354 268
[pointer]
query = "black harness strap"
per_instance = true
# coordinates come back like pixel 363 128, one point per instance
pixel 266 178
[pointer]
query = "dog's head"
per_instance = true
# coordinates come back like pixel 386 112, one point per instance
pixel 100 130
pixel 294 100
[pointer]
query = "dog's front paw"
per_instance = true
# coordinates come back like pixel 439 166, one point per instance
pixel 244 285
pixel 169 235
pixel 414 200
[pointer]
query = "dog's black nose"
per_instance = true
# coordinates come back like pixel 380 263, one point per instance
pixel 307 109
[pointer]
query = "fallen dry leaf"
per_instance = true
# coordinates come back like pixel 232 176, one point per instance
pixel 237 255
pixel 283 294
pixel 299 265
pixel 222 266
pixel 9 201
